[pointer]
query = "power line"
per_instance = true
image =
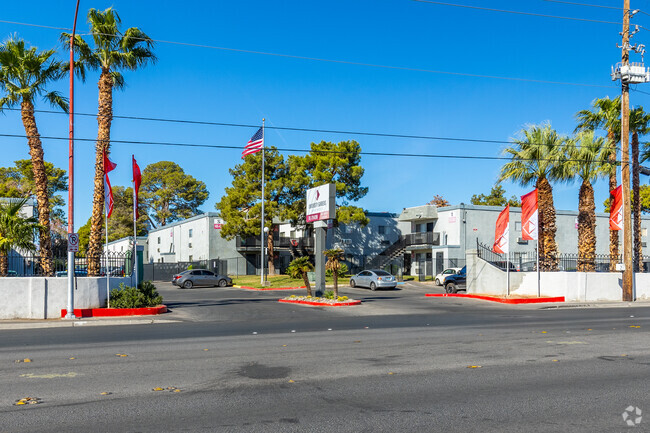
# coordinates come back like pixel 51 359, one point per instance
pixel 34 25
pixel 216 146
pixel 521 13
pixel 287 128
pixel 592 5
pixel 345 62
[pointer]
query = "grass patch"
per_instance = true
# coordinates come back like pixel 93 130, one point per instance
pixel 280 281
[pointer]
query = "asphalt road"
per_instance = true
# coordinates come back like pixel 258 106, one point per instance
pixel 241 361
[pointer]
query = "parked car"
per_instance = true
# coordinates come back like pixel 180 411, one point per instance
pixel 200 277
pixel 79 272
pixel 440 278
pixel 456 282
pixel 374 279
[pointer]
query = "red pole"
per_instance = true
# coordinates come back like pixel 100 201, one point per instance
pixel 71 130
pixel 71 260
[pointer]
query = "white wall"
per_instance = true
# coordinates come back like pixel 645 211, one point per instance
pixel 45 297
pixel 484 278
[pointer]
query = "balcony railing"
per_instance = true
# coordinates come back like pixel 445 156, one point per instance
pixel 278 242
pixel 427 238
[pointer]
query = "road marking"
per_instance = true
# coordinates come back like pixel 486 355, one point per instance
pixel 49 376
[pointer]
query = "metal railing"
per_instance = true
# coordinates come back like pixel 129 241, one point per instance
pixel 278 242
pixel 568 262
pixel 32 265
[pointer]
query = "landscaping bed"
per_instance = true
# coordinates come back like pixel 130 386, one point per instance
pixel 116 312
pixel 342 301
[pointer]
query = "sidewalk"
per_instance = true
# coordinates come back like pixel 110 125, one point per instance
pixel 6 325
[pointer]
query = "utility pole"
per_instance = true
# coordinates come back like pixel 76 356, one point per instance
pixel 628 275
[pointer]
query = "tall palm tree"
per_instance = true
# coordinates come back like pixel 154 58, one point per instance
pixel 605 114
pixel 24 76
pixel 334 257
pixel 639 121
pixel 113 51
pixel 587 159
pixel 16 231
pixel 537 158
pixel 298 268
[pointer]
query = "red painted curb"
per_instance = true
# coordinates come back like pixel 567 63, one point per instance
pixel 497 299
pixel 116 312
pixel 320 304
pixel 270 288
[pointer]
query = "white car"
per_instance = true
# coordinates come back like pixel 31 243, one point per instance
pixel 440 278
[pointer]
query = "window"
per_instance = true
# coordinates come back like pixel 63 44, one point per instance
pixel 190 259
pixel 381 230
pixel 190 235
pixel 429 227
pixel 158 240
pixel 189 245
pixel 517 226
pixel 644 232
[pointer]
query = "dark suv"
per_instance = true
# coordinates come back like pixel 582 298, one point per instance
pixel 454 283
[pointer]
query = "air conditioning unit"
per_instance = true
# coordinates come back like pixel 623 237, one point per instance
pixel 346 241
pixel 522 241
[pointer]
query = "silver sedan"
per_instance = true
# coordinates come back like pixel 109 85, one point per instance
pixel 200 277
pixel 374 279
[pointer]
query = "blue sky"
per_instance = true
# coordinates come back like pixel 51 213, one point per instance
pixel 233 87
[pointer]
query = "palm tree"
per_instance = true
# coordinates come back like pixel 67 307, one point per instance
pixel 537 158
pixel 113 51
pixel 16 231
pixel 334 257
pixel 24 75
pixel 298 268
pixel 639 121
pixel 606 114
pixel 588 159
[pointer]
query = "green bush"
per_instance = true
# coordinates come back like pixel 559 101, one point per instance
pixel 135 297
pixel 190 267
pixel 343 271
pixel 328 295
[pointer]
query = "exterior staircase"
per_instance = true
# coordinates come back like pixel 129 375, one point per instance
pixel 393 251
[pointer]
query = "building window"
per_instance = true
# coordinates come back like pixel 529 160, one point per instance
pixel 158 240
pixel 381 230
pixel 517 226
pixel 190 234
pixel 644 232
pixel 191 258
pixel 429 227
pixel 190 245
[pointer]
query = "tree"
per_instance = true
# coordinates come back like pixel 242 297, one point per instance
pixel 537 158
pixel 241 207
pixel 24 75
pixel 605 114
pixel 16 231
pixel 334 257
pixel 497 197
pixel 171 194
pixel 438 201
pixel 120 224
pixel 113 51
pixel 588 159
pixel 639 121
pixel 298 268
pixel 327 162
pixel 18 182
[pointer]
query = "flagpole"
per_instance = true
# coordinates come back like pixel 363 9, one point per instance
pixel 539 290
pixel 262 252
pixel 108 276
pixel 135 229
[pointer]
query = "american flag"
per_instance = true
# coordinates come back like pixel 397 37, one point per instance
pixel 255 144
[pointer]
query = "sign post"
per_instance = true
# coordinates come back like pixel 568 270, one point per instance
pixel 321 206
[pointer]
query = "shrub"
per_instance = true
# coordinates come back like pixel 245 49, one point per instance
pixel 190 267
pixel 328 295
pixel 135 297
pixel 343 271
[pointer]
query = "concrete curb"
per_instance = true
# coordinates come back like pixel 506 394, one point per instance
pixel 267 289
pixel 498 299
pixel 116 312
pixel 102 321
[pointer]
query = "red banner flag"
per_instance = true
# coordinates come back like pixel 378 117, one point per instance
pixel 616 209
pixel 529 216
pixel 502 233
pixel 108 192
pixel 137 178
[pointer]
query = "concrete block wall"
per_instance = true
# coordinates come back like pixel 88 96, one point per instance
pixel 484 278
pixel 44 297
